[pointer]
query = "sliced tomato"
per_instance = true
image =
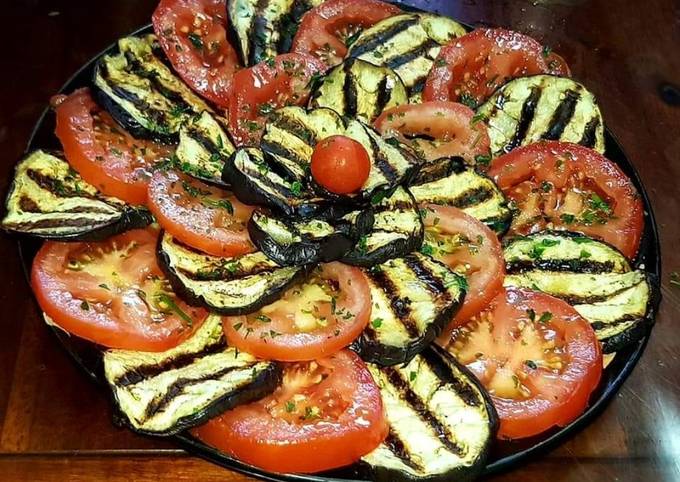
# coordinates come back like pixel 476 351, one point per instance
pixel 471 249
pixel 112 293
pixel 258 90
pixel 326 30
pixel 470 68
pixel 537 357
pixel 568 186
pixel 102 152
pixel 326 414
pixel 311 320
pixel 437 129
pixel 340 164
pixel 204 217
pixel 193 34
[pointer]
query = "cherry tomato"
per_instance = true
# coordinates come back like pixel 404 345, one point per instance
pixel 312 320
pixel 559 185
pixel 112 293
pixel 472 250
pixel 438 129
pixel 102 152
pixel 470 68
pixel 326 29
pixel 340 164
pixel 537 357
pixel 258 90
pixel 203 217
pixel 327 413
pixel 193 34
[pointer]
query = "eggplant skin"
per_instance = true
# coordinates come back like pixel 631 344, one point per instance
pixel 131 218
pixel 307 249
pixel 262 385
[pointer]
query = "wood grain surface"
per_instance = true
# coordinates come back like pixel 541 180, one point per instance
pixel 55 425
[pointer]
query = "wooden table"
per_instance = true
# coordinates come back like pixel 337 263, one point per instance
pixel 55 425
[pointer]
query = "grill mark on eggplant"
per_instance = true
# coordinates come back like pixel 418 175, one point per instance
pixel 294 127
pixel 423 412
pixel 393 206
pixel 589 300
pixel 384 95
pixel 222 273
pixel 395 445
pixel 525 119
pixel 277 149
pixel 177 387
pixel 562 116
pixel 380 38
pixel 28 205
pixel 426 276
pixel 464 390
pixel 145 372
pixel 600 325
pixel 560 265
pixel 205 142
pixel 590 132
pixel 400 306
pixel 59 223
pixel 472 197
pixel 157 116
pixel 349 89
pixel 382 162
pixel 259 35
pixel 57 187
pixel 137 68
pixel 424 137
pixel 406 57
pixel 439 169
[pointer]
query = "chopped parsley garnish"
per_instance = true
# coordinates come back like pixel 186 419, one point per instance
pixel 196 41
pixel 296 188
pixel 377 323
pixel 85 306
pixel 538 249
pixel 468 100
pixel 165 302
pixel 546 316
pixel 483 160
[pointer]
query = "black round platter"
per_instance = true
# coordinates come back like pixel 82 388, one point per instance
pixel 504 454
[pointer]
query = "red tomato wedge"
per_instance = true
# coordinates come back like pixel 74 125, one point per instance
pixel 537 357
pixel 325 30
pixel 567 186
pixel 471 249
pixel 258 90
pixel 204 217
pixel 112 293
pixel 340 164
pixel 102 152
pixel 311 320
pixel 326 414
pixel 193 34
pixel 470 68
pixel 437 129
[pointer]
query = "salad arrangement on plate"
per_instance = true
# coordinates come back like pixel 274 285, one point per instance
pixel 330 233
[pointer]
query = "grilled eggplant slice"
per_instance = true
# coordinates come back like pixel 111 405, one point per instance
pixel 49 200
pixel 442 422
pixel 167 392
pixel 229 286
pixel 408 44
pixel 450 182
pixel 529 109
pixel 265 28
pixel 360 89
pixel 289 141
pixel 141 92
pixel 311 241
pixel 257 179
pixel 203 148
pixel 414 297
pixel 397 230
pixel 590 275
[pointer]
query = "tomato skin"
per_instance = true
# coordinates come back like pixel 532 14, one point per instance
pixel 274 83
pixel 473 66
pixel 254 435
pixel 555 399
pixel 571 172
pixel 340 164
pixel 480 261
pixel 201 216
pixel 292 344
pixel 205 60
pixel 102 152
pixel 449 123
pixel 318 31
pixel 96 305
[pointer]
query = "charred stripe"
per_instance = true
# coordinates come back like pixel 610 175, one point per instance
pixel 400 306
pixel 433 283
pixel 406 57
pixel 395 445
pixel 349 89
pixel 384 96
pixel 525 119
pixel 562 115
pixel 560 265
pixel 589 137
pixel 465 391
pixel 370 44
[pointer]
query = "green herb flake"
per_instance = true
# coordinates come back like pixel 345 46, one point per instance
pixel 546 316
pixel 85 306
pixel 377 323
pixel 196 41
pixel 531 364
